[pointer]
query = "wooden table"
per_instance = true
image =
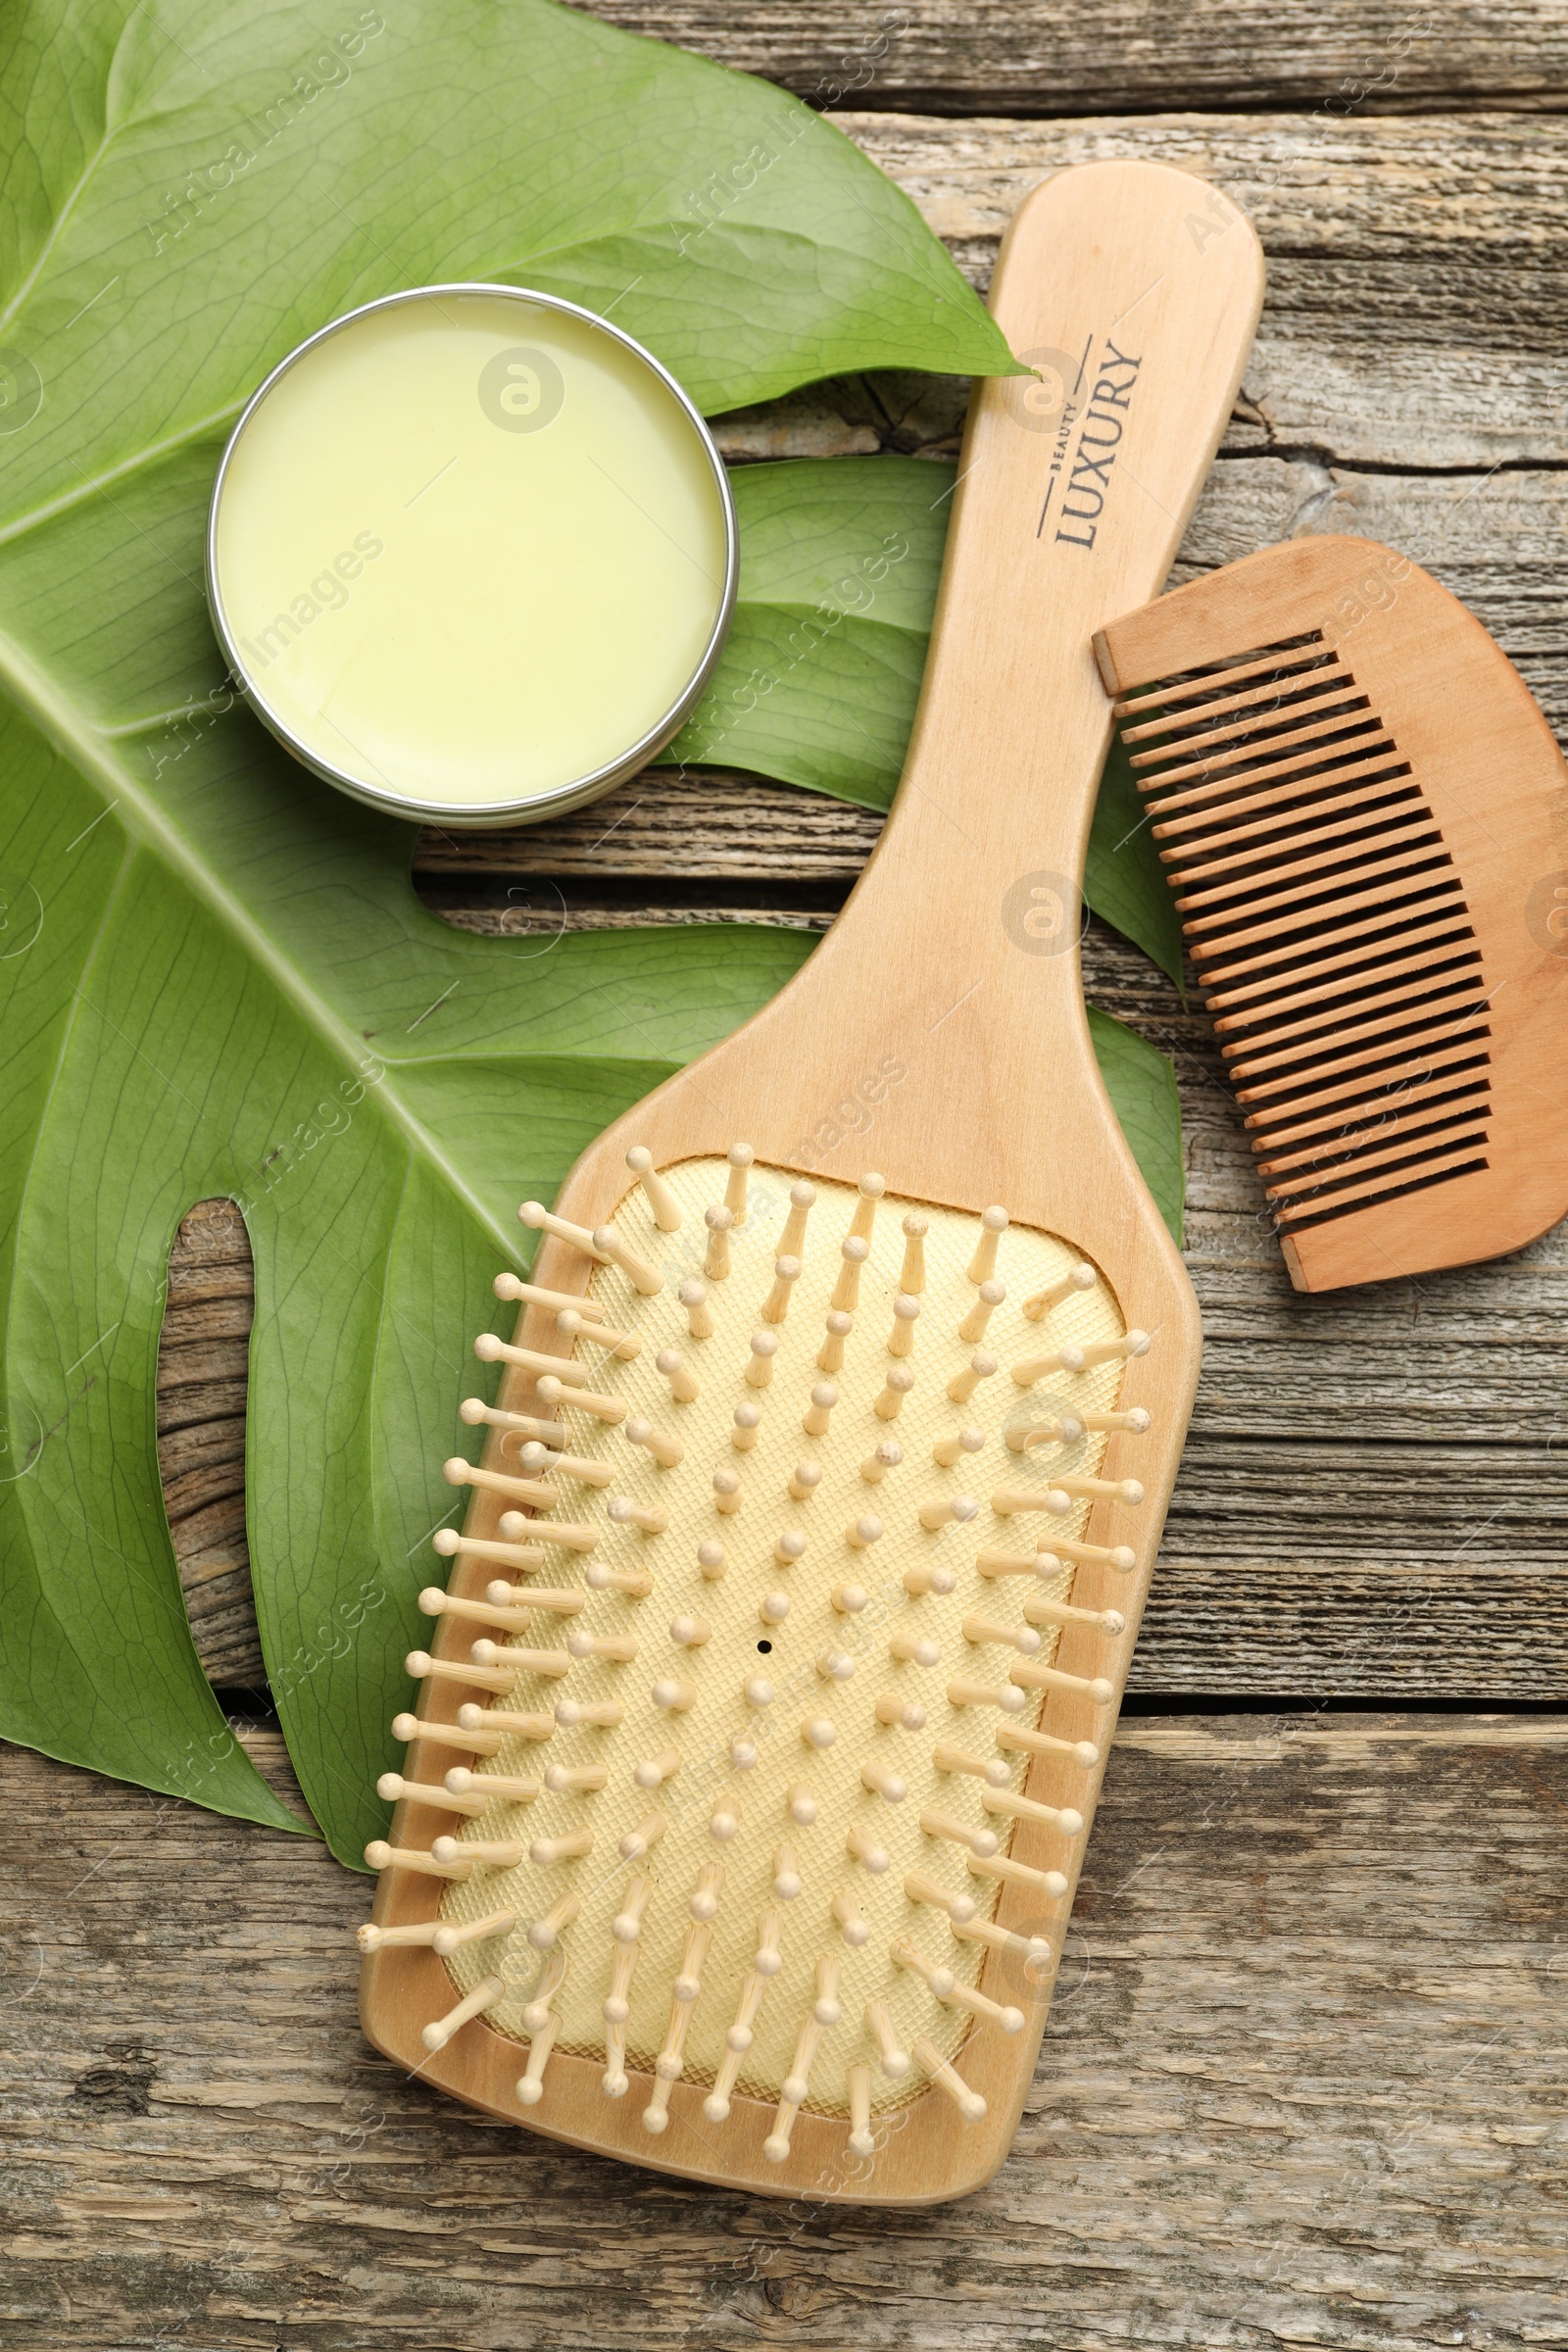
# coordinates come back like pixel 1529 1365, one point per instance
pixel 1302 2082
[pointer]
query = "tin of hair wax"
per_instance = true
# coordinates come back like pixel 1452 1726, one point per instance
pixel 471 553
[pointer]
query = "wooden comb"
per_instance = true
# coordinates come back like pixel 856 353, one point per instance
pixel 765 1711
pixel 1365 820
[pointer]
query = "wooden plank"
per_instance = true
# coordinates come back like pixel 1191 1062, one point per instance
pixel 1035 57
pixel 1298 2087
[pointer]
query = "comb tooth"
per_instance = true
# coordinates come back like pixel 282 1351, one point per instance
pixel 1019 1873
pixel 854 1251
pixel 571 1533
pixel 1077 1278
pixel 1102 1490
pixel 862 1533
pixel 540 1220
pixel 830 1355
pixel 710 1560
pixel 900 1381
pixel 544 1933
pixel 864 1847
pixel 748 1421
pixel 485 1994
pixel 1093 1555
pixel 858 2081
pixel 905 1313
pixel 703 1904
pixel 913 1649
pixel 912 1277
pixel 876 1465
pixel 381 1857
pixel 667 1452
pixel 1134 1422
pixel 759 1371
pixel 552 1976
pixel 791 1241
pixel 662 1204
pixel 786 1273
pixel 834 1665
pixel 804 1479
pixel 963 1386
pixel 433 1602
pixel 801 1804
pixel 921 1889
pixel 901 1714
pixel 674 1694
pixel 643 1277
pixel 531 2083
pixel 849 1600
pixel 490 1787
pixel 969 2103
pixel 554 1392
pixel 973 1327
pixel 1009 1501
pixel 371 1937
pixel 654 1771
pixel 983 1265
pixel 774 1607
pixel 879 2025
pixel 723 1822
pixel 699 1321
pixel 740 1158
pixel 992 1563
pixel 1232 669
pixel 716 1266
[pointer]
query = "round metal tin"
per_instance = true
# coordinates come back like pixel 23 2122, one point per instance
pixel 572 793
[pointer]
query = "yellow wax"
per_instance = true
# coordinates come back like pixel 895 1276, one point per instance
pixel 470 551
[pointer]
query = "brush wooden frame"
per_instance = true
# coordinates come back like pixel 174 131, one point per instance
pixel 933 962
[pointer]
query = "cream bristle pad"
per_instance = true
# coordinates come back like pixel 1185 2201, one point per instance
pixel 794 1815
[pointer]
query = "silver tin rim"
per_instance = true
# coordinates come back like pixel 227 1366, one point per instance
pixel 572 795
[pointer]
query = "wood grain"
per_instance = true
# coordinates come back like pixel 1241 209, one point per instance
pixel 1039 57
pixel 1298 2087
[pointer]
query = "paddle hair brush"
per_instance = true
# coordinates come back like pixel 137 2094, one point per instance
pixel 1364 817
pixel 765 1713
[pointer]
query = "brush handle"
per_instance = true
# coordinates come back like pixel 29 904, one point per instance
pixel 1134 291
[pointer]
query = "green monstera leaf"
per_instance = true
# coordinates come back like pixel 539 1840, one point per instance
pixel 214 976
pixel 818 680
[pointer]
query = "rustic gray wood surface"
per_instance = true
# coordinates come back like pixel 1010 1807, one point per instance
pixel 1302 2085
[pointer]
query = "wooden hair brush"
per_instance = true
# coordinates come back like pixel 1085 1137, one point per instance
pixel 1364 819
pixel 765 1713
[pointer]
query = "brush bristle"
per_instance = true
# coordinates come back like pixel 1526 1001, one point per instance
pixel 780 1677
pixel 1335 947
